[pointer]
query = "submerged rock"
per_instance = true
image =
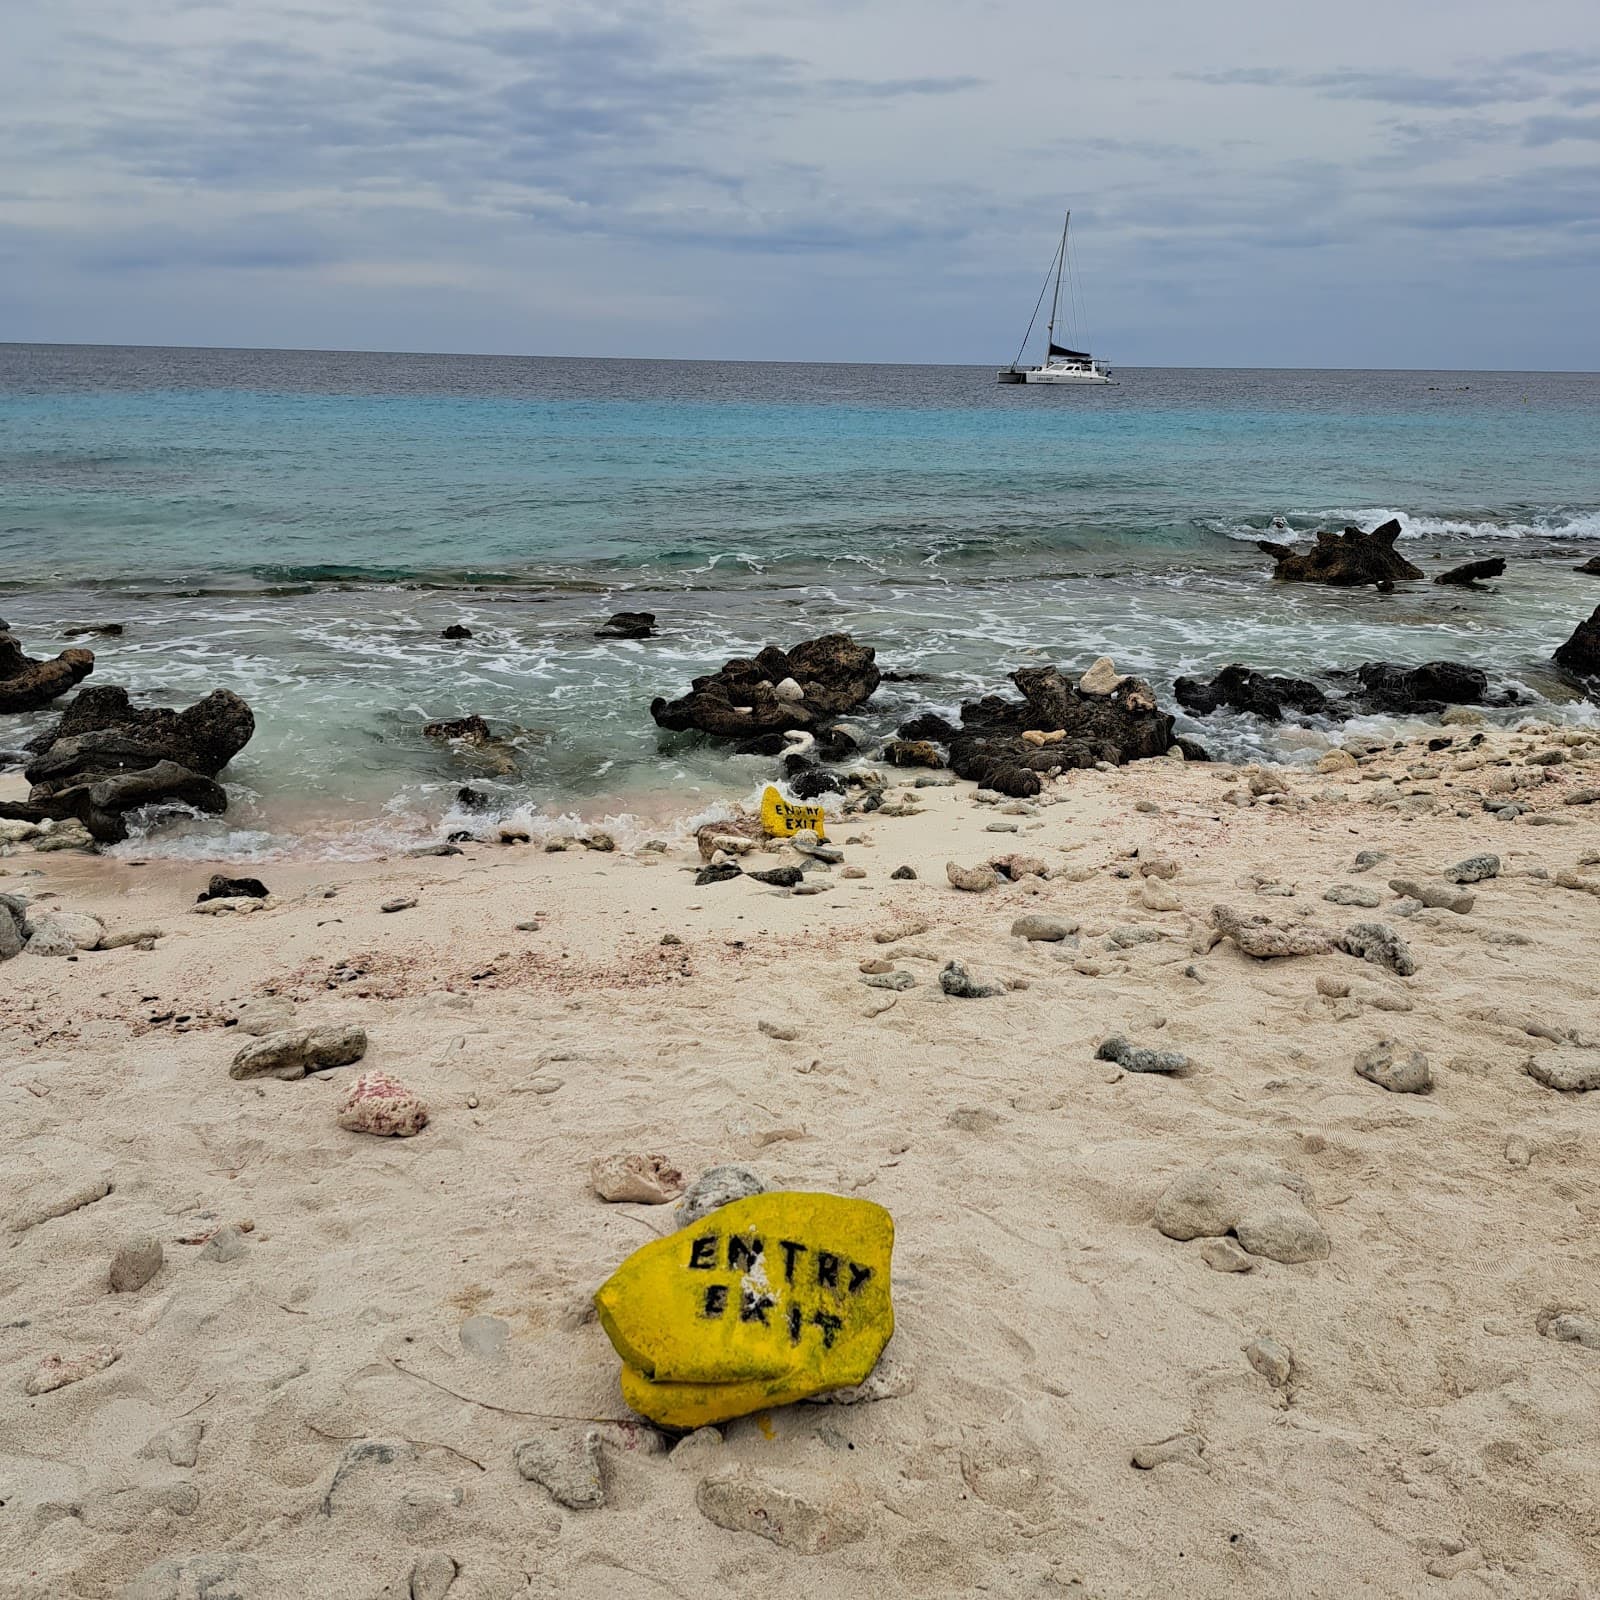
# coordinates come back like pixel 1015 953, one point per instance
pixel 1472 572
pixel 27 684
pixel 1348 559
pixel 627 625
pixel 1580 654
pixel 833 673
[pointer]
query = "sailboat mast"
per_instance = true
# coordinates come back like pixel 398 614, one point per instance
pixel 1055 303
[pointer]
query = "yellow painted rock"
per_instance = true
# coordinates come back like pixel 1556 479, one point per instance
pixel 762 1302
pixel 782 818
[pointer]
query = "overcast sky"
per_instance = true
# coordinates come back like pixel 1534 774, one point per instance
pixel 1362 184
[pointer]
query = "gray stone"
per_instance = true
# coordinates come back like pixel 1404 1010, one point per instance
pixel 218 1576
pixel 1475 869
pixel 975 880
pixel 431 1576
pixel 1136 1058
pixel 566 1465
pixel 744 1503
pixel 1267 941
pixel 1378 943
pixel 49 934
pixel 904 874
pixel 179 1444
pixel 1266 1207
pixel 1380 1065
pixel 297 1051
pixel 698 1450
pixel 137 1260
pixel 889 980
pixel 1570 1327
pixel 1354 894
pixel 1571 1074
pixel 1224 1255
pixel 1271 1360
pixel 10 935
pixel 960 984
pixel 808 844
pixel 1366 860
pixel 401 902
pixel 1434 895
pixel 1127 937
pixel 226 1244
pixel 716 1186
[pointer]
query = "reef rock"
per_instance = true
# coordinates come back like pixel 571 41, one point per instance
pixel 1473 572
pixel 27 684
pixel 1237 688
pixel 1116 725
pixel 1267 1208
pixel 834 674
pixel 1348 560
pixel 627 625
pixel 107 757
pixel 1581 653
pixel 1421 691
pixel 377 1103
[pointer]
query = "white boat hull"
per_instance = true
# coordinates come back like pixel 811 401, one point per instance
pixel 1064 375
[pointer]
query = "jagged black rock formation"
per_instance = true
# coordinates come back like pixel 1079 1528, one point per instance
pixel 742 701
pixel 1581 653
pixel 107 757
pixel 1239 689
pixel 27 684
pixel 628 625
pixel 1347 559
pixel 1473 572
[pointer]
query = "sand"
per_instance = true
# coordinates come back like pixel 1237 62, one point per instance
pixel 308 1409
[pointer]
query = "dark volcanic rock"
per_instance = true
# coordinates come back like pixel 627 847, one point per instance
pixel 1592 565
pixel 928 726
pixel 912 753
pixel 1581 653
pixel 470 799
pixel 76 630
pixel 456 630
pixel 777 877
pixel 628 625
pixel 223 887
pixel 473 730
pixel 834 674
pixel 1348 559
pixel 27 684
pixel 107 757
pixel 808 782
pixel 1420 690
pixel 1240 689
pixel 1472 572
pixel 1123 726
pixel 717 872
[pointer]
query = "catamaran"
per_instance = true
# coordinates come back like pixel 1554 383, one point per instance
pixel 1061 364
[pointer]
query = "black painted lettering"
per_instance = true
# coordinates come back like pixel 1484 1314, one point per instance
pixel 794 1324
pixel 742 1253
pixel 754 1307
pixel 703 1252
pixel 858 1276
pixel 716 1299
pixel 827 1269
pixel 792 1251
pixel 830 1326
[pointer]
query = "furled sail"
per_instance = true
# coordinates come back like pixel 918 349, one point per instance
pixel 1069 355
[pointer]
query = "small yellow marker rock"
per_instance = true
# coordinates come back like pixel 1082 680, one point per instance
pixel 763 1302
pixel 782 818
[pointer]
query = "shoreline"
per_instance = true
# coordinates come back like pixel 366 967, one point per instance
pixel 1048 1331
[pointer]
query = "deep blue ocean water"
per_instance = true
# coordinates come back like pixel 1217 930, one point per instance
pixel 300 525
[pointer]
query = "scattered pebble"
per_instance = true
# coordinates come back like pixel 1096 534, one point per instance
pixel 1037 925
pixel 1182 1449
pixel 778 1030
pixel 972 879
pixel 716 1186
pixel 633 1179
pixel 1225 1255
pixel 1265 941
pixel 743 1503
pixel 1434 895
pixel 1475 869
pixel 1354 894
pixel 566 1465
pixel 1378 943
pixel 1380 1065
pixel 889 980
pixel 904 874
pixel 1570 1327
pixel 1271 1360
pixel 56 1372
pixel 399 903
pixel 957 982
pixel 225 1245
pixel 1134 1058
pixel 137 1260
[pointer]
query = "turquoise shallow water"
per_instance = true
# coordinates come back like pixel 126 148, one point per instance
pixel 299 526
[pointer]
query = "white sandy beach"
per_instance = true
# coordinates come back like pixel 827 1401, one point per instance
pixel 1428 1437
